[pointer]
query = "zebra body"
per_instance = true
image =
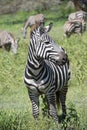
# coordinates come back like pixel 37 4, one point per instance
pixel 7 41
pixel 78 15
pixel 47 71
pixel 56 76
pixel 32 20
pixel 74 26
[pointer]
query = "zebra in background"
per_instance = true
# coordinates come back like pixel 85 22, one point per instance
pixel 78 15
pixel 74 26
pixel 32 20
pixel 7 41
pixel 47 72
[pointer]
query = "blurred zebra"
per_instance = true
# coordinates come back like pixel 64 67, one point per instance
pixel 74 26
pixel 78 15
pixel 32 20
pixel 80 4
pixel 7 41
pixel 47 72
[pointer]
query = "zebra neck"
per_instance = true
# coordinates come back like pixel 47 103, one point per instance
pixel 34 69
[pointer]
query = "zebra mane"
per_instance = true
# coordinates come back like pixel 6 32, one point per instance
pixel 35 27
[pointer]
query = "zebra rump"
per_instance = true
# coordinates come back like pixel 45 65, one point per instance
pixel 78 15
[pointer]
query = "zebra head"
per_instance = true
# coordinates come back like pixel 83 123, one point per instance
pixel 47 49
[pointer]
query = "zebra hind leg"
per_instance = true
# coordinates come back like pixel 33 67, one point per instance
pixel 35 104
pixel 52 106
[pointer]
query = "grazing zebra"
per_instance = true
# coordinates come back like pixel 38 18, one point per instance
pixel 31 21
pixel 74 26
pixel 80 4
pixel 47 72
pixel 78 15
pixel 7 41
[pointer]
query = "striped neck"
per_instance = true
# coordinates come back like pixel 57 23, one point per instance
pixel 33 61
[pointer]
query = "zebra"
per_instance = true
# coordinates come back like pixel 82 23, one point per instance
pixel 7 41
pixel 47 72
pixel 77 15
pixel 80 4
pixel 31 21
pixel 74 26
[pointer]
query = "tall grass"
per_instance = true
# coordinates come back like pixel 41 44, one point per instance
pixel 15 106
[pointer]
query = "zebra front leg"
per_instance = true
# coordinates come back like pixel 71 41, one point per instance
pixel 62 98
pixel 35 104
pixel 52 106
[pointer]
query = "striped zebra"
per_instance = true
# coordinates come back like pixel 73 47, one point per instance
pixel 7 41
pixel 74 26
pixel 47 72
pixel 78 15
pixel 31 21
pixel 80 4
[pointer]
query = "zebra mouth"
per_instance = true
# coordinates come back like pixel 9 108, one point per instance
pixel 57 62
pixel 60 62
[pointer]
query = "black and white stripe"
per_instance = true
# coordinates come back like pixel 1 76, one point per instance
pixel 78 15
pixel 74 26
pixel 47 72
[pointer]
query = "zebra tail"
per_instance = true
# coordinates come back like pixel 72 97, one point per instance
pixel 57 100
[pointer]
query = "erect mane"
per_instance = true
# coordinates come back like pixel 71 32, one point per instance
pixel 33 27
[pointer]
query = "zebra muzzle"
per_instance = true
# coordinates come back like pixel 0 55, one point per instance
pixel 61 59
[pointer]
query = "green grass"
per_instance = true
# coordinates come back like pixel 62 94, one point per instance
pixel 15 106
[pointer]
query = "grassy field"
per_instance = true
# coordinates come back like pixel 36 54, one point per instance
pixel 15 106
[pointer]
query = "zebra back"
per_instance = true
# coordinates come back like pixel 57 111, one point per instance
pixel 32 20
pixel 78 15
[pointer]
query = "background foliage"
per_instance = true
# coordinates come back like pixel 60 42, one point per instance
pixel 15 106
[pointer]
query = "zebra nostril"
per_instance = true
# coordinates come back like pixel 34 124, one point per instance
pixel 64 59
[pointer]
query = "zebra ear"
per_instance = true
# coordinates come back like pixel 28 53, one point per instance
pixel 48 28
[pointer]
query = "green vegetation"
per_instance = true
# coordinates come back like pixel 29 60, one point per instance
pixel 15 106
